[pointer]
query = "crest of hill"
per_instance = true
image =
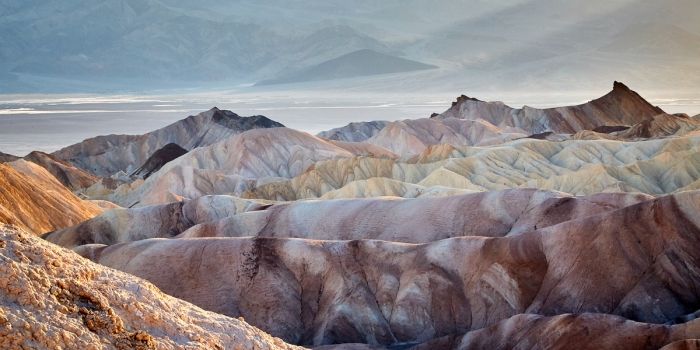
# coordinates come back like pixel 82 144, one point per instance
pixel 621 106
pixel 107 155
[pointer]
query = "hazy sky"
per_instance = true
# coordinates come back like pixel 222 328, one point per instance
pixel 142 45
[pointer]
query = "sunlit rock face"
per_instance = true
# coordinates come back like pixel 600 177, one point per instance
pixel 52 298
pixel 33 199
pixel 482 228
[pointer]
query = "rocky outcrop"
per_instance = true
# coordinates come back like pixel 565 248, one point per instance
pixel 32 199
pixel 379 292
pixel 52 298
pixel 70 176
pixel 107 155
pixel 621 106
pixel 158 159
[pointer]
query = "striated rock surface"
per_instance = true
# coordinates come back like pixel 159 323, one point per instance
pixel 31 198
pixel 577 167
pixel 51 298
pixel 107 155
pixel 227 166
pixel 621 106
pixel 379 292
pixel 485 214
pixel 413 136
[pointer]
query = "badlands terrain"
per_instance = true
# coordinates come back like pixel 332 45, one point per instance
pixel 482 227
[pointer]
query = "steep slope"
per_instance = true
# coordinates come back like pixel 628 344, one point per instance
pixel 231 164
pixel 69 175
pixel 621 106
pixel 52 298
pixel 106 155
pixel 158 159
pixel 32 199
pixel 640 262
pixel 350 65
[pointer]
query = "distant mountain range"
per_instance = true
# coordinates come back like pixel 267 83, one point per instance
pixel 80 45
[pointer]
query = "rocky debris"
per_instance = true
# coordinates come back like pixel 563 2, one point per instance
pixel 52 298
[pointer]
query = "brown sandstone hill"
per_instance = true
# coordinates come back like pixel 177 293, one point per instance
pixel 31 198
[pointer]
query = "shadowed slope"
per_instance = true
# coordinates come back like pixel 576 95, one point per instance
pixel 69 175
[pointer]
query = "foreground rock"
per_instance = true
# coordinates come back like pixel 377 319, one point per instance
pixel 107 155
pixel 51 298
pixel 641 262
pixel 31 198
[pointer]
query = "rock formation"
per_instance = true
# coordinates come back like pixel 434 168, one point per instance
pixel 52 298
pixel 621 106
pixel 107 155
pixel 158 159
pixel 32 199
pixel 69 175
pixel 379 292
